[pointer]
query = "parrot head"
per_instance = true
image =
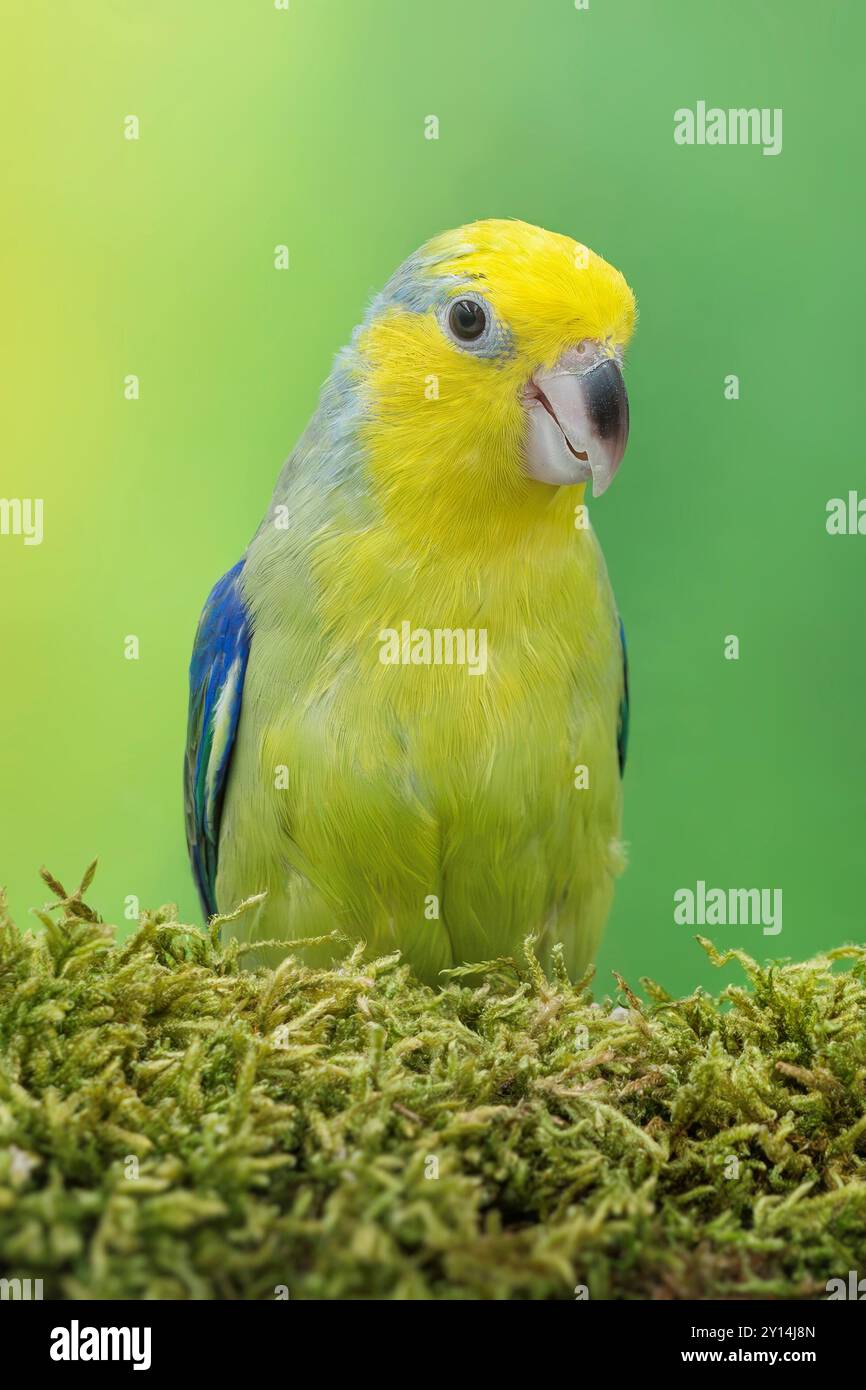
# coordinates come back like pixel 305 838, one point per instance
pixel 491 370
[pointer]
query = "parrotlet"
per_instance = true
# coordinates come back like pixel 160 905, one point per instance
pixel 409 699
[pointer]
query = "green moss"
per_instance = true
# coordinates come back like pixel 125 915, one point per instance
pixel 172 1125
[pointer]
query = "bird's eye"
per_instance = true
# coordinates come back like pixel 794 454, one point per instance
pixel 467 320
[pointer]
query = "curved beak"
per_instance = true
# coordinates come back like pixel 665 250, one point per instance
pixel 578 418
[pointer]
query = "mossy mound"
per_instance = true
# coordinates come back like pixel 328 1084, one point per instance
pixel 174 1126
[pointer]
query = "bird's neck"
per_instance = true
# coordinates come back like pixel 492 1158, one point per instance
pixel 377 524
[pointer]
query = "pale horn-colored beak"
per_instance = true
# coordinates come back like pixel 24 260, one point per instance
pixel 577 418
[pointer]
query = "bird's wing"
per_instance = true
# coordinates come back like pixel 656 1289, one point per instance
pixel 216 684
pixel 622 724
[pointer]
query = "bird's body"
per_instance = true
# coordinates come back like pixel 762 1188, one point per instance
pixel 429 806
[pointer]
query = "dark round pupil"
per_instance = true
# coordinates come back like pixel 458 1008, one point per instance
pixel 467 319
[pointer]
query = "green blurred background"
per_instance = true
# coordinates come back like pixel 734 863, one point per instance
pixel 306 127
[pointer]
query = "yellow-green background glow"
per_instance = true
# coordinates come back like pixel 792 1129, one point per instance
pixel 306 127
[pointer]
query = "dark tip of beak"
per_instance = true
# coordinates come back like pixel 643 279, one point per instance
pixel 607 403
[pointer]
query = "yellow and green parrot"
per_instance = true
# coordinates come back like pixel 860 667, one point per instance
pixel 409 704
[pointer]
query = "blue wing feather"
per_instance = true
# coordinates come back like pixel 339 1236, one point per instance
pixel 216 684
pixel 622 725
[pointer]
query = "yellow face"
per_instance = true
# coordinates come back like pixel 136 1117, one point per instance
pixel 490 369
